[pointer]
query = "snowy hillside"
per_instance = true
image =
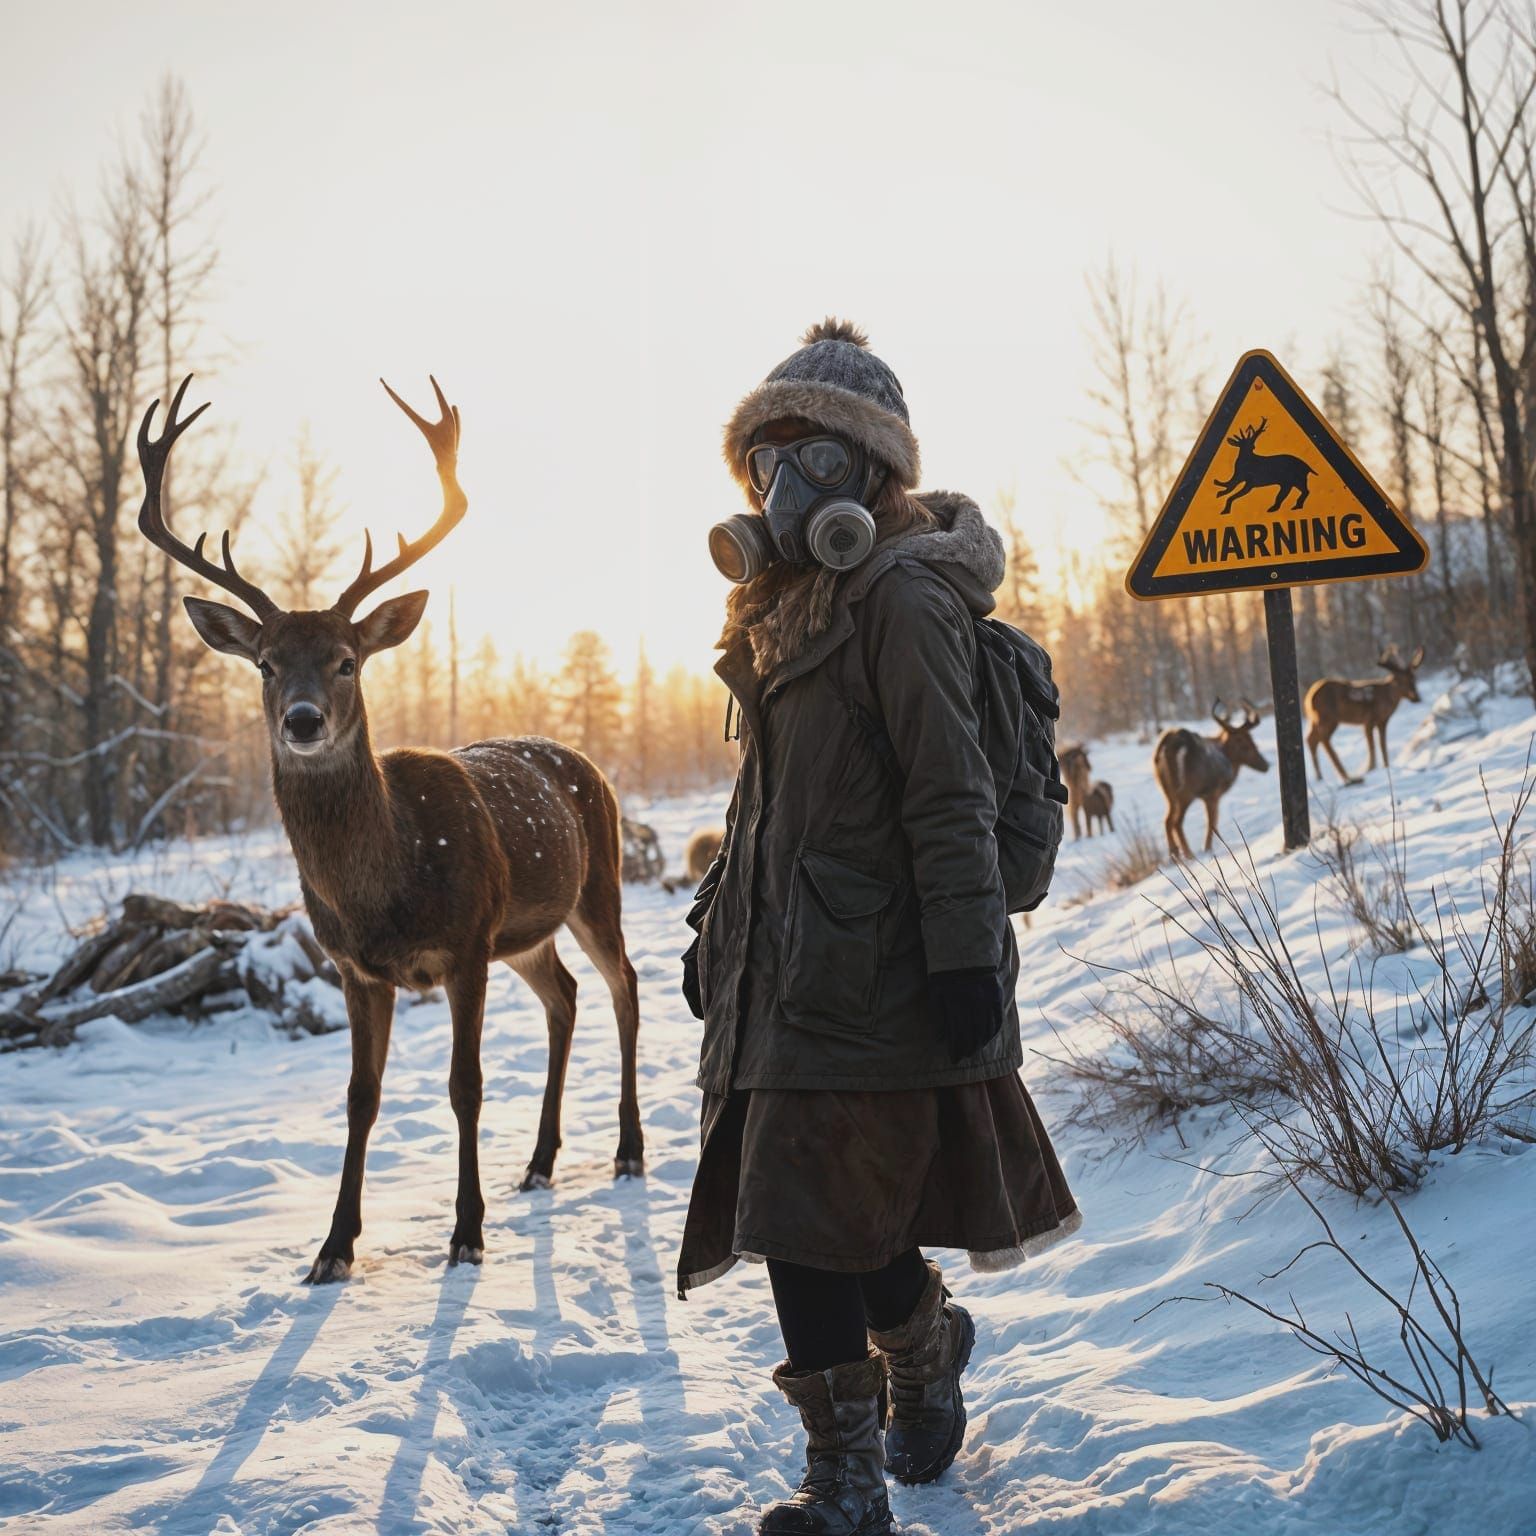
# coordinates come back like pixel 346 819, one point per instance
pixel 163 1189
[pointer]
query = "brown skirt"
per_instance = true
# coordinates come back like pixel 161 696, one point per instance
pixel 847 1180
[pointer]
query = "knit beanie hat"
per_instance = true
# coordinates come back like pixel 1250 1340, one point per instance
pixel 835 381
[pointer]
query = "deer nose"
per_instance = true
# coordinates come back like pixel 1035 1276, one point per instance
pixel 303 722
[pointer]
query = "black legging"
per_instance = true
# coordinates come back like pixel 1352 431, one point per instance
pixel 825 1314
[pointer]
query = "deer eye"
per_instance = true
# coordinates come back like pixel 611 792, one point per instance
pixel 264 669
pixel 347 667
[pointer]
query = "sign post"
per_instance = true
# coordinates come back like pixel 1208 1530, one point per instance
pixel 1280 631
pixel 1297 510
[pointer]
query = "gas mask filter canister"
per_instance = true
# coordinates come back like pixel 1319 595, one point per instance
pixel 812 509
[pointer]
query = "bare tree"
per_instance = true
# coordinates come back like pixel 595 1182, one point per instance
pixel 106 330
pixel 1444 166
pixel 167 180
pixel 24 294
pixel 1398 369
pixel 1439 409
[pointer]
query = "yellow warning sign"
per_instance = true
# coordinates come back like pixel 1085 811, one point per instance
pixel 1271 497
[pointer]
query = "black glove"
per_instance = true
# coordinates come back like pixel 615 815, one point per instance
pixel 966 1007
pixel 691 980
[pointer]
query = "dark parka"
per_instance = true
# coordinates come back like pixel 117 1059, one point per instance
pixel 859 853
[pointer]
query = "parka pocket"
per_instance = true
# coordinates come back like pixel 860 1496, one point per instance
pixel 831 957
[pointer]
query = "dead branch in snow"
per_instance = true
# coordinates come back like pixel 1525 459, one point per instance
pixel 164 956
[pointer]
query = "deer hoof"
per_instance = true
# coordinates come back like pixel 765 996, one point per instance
pixel 326 1271
pixel 629 1167
pixel 464 1253
pixel 533 1179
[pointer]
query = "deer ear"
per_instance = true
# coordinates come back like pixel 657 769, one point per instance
pixel 390 622
pixel 225 629
pixel 1418 660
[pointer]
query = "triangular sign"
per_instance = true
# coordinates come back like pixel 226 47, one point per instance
pixel 1270 496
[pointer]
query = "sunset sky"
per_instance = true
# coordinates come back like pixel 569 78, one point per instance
pixel 600 224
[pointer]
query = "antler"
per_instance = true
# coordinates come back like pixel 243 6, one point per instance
pixel 1221 716
pixel 1251 716
pixel 443 436
pixel 154 453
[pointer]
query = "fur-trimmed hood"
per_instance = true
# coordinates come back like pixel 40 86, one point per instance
pixel 966 549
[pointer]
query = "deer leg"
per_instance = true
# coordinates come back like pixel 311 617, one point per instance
pixel 1211 803
pixel 370 1012
pixel 555 987
pixel 1285 490
pixel 1109 816
pixel 597 928
pixel 1370 747
pixel 1333 757
pixel 466 1001
pixel 1381 730
pixel 1173 829
pixel 1301 500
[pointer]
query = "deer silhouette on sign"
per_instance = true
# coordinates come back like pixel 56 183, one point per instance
pixel 1252 471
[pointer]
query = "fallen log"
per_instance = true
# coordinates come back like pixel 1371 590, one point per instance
pixel 155 994
pixel 165 956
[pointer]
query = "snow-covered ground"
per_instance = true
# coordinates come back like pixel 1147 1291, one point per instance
pixel 163 1188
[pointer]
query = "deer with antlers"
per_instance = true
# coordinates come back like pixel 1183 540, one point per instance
pixel 1335 701
pixel 1252 471
pixel 1190 767
pixel 419 868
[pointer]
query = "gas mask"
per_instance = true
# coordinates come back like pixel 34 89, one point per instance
pixel 814 492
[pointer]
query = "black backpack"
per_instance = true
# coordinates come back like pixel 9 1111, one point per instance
pixel 1017 705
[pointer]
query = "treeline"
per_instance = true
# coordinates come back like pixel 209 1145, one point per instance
pixel 117 725
pixel 651 734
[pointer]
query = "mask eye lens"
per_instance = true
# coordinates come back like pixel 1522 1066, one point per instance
pixel 760 463
pixel 825 460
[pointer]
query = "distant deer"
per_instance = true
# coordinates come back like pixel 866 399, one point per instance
pixel 1191 767
pixel 1334 701
pixel 702 848
pixel 419 868
pixel 699 855
pixel 1099 805
pixel 1252 471
pixel 1075 771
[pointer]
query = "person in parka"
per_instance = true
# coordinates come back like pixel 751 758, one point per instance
pixel 854 965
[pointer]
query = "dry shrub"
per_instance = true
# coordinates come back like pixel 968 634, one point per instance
pixel 1434 1387
pixel 1339 1090
pixel 1370 881
pixel 1136 855
pixel 1166 1055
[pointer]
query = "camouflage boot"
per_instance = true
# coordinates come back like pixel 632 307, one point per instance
pixel 843 1490
pixel 925 1357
